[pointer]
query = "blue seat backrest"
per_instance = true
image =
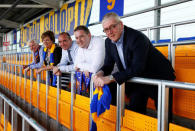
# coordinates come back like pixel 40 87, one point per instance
pixel 153 41
pixel 186 38
pixel 164 41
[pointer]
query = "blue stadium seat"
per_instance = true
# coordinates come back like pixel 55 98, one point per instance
pixel 164 41
pixel 186 38
pixel 153 41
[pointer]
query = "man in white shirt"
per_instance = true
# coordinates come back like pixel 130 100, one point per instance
pixel 69 50
pixel 91 52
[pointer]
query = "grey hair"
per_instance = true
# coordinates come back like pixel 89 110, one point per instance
pixel 111 15
pixel 33 40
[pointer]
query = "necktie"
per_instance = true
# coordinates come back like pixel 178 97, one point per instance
pixel 70 58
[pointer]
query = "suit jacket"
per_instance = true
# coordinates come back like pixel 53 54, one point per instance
pixel 142 59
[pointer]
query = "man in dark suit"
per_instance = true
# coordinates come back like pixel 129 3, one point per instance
pixel 134 56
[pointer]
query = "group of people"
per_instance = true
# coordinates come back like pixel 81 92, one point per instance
pixel 125 48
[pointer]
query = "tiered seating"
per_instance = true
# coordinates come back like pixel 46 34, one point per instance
pixel 183 101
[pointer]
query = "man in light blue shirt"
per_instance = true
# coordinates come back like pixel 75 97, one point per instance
pixel 69 51
pixel 37 51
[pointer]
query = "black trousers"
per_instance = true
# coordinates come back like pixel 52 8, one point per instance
pixel 138 94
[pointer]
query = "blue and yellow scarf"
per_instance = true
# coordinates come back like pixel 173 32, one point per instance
pixel 51 54
pixel 51 61
pixel 100 103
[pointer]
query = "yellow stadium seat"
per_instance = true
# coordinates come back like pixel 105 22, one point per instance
pixel 105 125
pixel 64 114
pixel 138 122
pixel 110 114
pixel 52 102
pixel 34 94
pixel 163 50
pixel 27 95
pixel 42 97
pixel 65 96
pixel 82 102
pixel 18 85
pixel 80 119
pixel 22 89
pixel 52 107
pixel 173 127
pixel 125 129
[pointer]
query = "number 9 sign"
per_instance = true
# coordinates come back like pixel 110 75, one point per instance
pixel 112 2
pixel 111 6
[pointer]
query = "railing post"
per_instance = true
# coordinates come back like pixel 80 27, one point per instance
pixel 118 110
pixel 16 71
pixel 12 119
pixel 12 86
pixel 5 119
pixel 172 48
pixel 91 97
pixel 159 111
pixel 23 124
pixel 57 103
pixel 20 83
pixel 72 98
pixel 8 65
pixel 31 86
pixel 149 33
pixel 165 108
pixel 38 89
pixel 25 81
pixel 46 106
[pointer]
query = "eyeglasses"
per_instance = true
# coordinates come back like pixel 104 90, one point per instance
pixel 106 30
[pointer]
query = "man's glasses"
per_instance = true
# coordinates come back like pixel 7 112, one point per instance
pixel 106 30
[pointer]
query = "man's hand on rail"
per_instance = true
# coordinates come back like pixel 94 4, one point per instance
pixel 24 66
pixel 77 69
pixel 27 69
pixel 39 70
pixel 101 81
pixel 55 70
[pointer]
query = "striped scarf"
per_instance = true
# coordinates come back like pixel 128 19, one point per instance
pixel 54 81
pixel 51 54
pixel 36 55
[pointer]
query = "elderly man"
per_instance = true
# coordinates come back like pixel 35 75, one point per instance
pixel 69 50
pixel 134 56
pixel 91 52
pixel 37 51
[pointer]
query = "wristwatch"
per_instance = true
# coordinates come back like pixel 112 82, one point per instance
pixel 111 77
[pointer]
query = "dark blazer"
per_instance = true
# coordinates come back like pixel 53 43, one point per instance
pixel 142 59
pixel 57 55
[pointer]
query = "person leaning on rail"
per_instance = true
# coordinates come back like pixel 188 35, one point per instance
pixel 51 54
pixel 69 51
pixel 37 51
pixel 91 51
pixel 134 56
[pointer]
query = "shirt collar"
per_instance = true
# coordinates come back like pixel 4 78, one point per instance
pixel 71 48
pixel 90 44
pixel 120 41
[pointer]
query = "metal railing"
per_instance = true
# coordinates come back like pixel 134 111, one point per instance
pixel 25 118
pixel 162 85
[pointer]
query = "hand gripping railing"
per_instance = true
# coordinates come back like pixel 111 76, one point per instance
pixel 25 117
